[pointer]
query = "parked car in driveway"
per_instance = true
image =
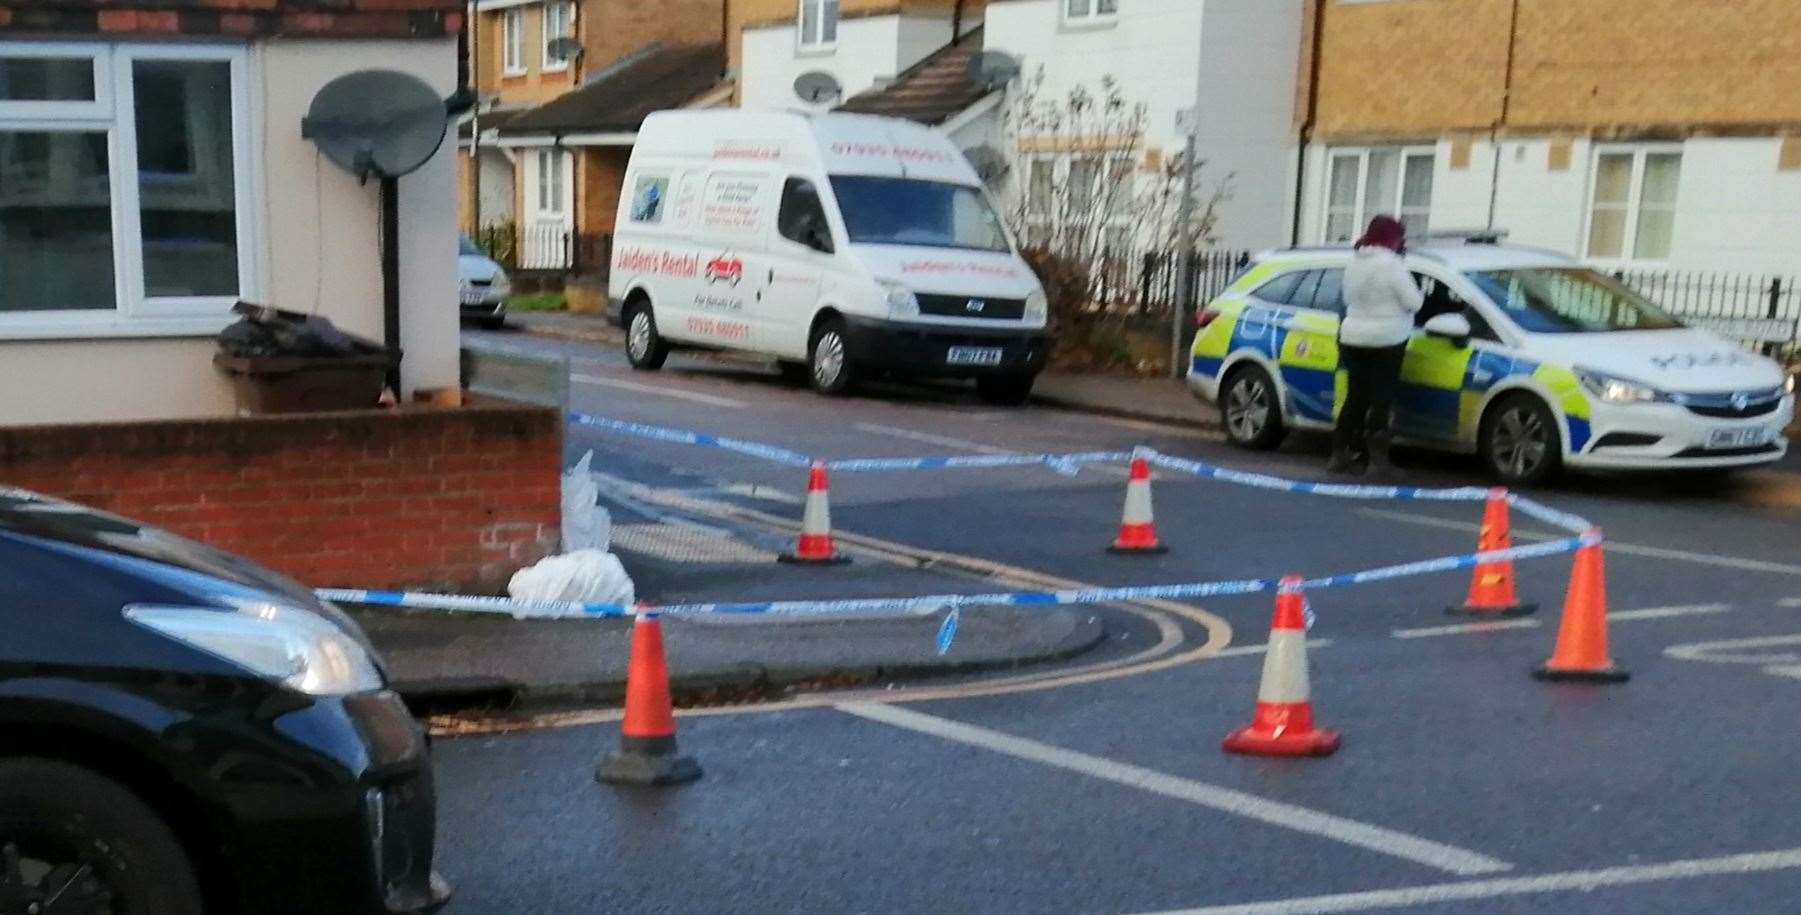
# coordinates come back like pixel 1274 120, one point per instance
pixel 1524 357
pixel 183 732
pixel 482 286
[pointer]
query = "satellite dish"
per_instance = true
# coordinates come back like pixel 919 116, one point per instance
pixel 564 48
pixel 816 87
pixel 376 123
pixel 993 69
pixel 990 163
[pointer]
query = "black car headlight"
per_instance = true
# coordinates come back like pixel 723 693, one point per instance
pixel 296 648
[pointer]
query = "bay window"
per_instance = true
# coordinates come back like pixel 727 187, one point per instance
pixel 122 188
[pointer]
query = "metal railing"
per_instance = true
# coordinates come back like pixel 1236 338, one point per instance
pixel 1754 308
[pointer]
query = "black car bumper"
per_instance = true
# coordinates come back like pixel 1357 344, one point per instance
pixel 339 816
pixel 925 349
pixel 484 311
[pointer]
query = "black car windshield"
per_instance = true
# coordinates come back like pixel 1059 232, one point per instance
pixel 466 246
pixel 905 211
pixel 1569 300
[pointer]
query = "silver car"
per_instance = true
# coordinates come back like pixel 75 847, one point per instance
pixel 482 286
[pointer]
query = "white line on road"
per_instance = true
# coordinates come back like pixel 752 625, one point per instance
pixel 1658 613
pixel 1565 882
pixel 930 439
pixel 1613 546
pixel 1790 602
pixel 1237 651
pixel 1463 628
pixel 1288 816
pixel 695 396
pixel 1618 616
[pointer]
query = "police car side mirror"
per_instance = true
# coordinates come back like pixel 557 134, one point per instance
pixel 1452 327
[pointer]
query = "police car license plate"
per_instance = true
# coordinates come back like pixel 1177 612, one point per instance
pixel 1741 437
pixel 973 355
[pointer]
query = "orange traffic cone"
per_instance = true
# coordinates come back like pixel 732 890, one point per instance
pixel 1283 723
pixel 1137 531
pixel 815 545
pixel 1581 652
pixel 647 752
pixel 1491 586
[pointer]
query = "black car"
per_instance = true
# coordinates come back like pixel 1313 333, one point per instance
pixel 184 732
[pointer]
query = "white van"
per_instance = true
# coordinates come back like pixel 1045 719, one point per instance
pixel 845 246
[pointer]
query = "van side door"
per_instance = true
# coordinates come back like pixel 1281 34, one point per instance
pixel 731 258
pixel 802 249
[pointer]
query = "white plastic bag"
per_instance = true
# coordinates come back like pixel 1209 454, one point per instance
pixel 586 526
pixel 584 576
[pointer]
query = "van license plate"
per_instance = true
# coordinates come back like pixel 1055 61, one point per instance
pixel 1744 437
pixel 973 355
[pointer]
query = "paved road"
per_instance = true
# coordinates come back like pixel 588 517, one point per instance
pixel 1463 785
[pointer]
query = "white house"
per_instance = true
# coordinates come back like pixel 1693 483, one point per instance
pixel 147 185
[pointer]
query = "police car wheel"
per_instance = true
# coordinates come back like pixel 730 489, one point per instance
pixel 1520 441
pixel 830 364
pixel 644 347
pixel 1249 409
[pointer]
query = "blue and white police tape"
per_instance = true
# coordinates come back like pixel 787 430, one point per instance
pixel 683 437
pixel 1066 464
pixel 929 604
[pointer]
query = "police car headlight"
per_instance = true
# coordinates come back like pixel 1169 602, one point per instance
pixel 1038 307
pixel 1615 390
pixel 902 303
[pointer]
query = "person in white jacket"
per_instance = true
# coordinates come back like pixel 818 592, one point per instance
pixel 1381 299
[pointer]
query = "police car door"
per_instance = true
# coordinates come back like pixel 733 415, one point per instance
pixel 1442 381
pixel 1292 324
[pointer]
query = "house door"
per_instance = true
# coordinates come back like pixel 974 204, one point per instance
pixel 548 229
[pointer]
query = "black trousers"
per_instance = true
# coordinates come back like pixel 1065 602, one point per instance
pixel 1375 373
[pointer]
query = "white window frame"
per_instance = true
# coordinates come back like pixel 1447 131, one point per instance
pixel 1635 193
pixel 555 172
pixel 1359 216
pixel 1088 14
pixel 550 63
pixel 824 11
pixel 136 314
pixel 512 42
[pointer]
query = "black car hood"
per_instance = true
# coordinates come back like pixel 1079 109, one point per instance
pixel 42 518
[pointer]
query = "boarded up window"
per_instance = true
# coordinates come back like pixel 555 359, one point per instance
pixel 1790 158
pixel 1558 160
pixel 1460 155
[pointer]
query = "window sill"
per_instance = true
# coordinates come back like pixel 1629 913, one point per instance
pixel 513 74
pixel 816 50
pixel 555 68
pixel 1089 23
pixel 19 327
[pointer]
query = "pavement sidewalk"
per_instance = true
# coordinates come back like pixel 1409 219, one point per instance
pixel 1161 400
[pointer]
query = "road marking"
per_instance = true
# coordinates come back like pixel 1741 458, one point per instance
pixel 1711 651
pixel 1658 613
pixel 695 396
pixel 1245 650
pixel 1789 602
pixel 1565 882
pixel 1613 546
pixel 1462 628
pixel 1225 800
pixel 930 439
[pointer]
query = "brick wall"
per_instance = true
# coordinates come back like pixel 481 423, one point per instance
pixel 248 18
pixel 419 497
pixel 531 86
pixel 614 28
pixel 1421 68
pixel 602 170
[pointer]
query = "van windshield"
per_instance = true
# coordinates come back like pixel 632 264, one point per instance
pixel 905 211
pixel 1570 300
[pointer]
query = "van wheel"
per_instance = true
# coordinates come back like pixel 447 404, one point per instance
pixel 830 364
pixel 1250 409
pixel 1005 390
pixel 73 841
pixel 644 347
pixel 1519 441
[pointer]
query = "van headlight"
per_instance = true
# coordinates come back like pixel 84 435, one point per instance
pixel 1038 307
pixel 902 303
pixel 296 648
pixel 1616 390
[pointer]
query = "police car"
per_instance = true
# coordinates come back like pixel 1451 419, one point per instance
pixel 1524 357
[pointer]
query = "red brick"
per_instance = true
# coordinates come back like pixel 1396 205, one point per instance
pixel 139 21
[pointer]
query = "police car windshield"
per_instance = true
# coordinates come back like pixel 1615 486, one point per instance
pixel 1569 300
pixel 904 211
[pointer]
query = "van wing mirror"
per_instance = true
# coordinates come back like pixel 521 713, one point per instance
pixel 1452 327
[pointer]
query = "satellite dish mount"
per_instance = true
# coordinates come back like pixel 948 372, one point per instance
pixel 993 70
pixel 381 124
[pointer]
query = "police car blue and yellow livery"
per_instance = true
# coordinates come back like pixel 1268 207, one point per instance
pixel 1523 357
